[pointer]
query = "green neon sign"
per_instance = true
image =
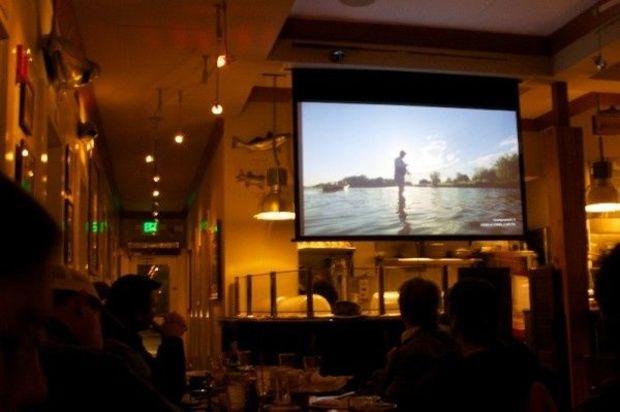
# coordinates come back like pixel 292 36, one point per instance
pixel 150 227
pixel 204 225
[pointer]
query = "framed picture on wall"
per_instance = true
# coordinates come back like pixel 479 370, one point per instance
pixel 24 167
pixel 67 223
pixel 68 184
pixel 26 108
pixel 215 255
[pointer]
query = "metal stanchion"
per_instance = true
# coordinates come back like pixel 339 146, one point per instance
pixel 236 301
pixel 248 294
pixel 273 294
pixel 309 297
pixel 381 286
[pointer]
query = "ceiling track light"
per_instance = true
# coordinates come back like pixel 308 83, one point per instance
pixel 179 137
pixel 156 178
pixel 221 33
pixel 217 108
pixel 156 193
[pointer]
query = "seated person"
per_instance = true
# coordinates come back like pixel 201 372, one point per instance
pixel 495 375
pixel 411 376
pixel 607 288
pixel 30 236
pixel 80 375
pixel 129 311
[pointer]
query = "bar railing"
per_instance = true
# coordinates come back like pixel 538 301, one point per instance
pixel 272 281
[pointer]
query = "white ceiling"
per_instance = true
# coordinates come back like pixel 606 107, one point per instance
pixel 537 17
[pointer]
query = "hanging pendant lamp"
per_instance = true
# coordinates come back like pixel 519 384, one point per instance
pixel 276 204
pixel 602 196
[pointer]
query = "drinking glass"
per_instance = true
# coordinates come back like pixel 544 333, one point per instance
pixel 311 367
pixel 235 392
pixel 245 360
pixel 263 381
pixel 281 385
pixel 287 359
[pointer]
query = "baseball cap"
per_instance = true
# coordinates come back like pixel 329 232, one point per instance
pixel 64 278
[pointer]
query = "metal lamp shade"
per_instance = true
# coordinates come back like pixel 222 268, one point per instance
pixel 275 205
pixel 602 197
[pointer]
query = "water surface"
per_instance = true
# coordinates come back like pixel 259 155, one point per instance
pixel 420 211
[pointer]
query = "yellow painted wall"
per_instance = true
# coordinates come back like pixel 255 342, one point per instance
pixel 56 115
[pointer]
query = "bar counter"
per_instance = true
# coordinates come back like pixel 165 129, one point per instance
pixel 354 346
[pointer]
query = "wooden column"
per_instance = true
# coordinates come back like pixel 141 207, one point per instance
pixel 564 174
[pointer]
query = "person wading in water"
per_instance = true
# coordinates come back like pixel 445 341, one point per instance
pixel 400 170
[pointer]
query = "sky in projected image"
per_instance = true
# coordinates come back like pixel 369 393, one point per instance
pixel 344 139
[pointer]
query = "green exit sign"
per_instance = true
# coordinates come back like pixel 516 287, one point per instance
pixel 150 227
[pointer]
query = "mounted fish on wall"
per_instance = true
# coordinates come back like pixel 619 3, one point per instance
pixel 65 62
pixel 261 143
pixel 251 179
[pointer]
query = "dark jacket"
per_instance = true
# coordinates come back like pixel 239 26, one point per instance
pixel 166 371
pixel 499 377
pixel 606 398
pixel 84 379
pixel 417 369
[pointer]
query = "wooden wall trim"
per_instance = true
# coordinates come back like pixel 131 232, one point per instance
pixel 413 36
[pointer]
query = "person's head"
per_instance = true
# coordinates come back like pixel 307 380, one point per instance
pixel 473 311
pixel 419 302
pixel 131 299
pixel 30 236
pixel 402 154
pixel 607 289
pixel 77 306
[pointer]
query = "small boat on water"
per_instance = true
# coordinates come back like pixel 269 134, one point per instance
pixel 330 188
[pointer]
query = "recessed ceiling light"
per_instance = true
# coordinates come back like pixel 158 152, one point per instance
pixel 357 3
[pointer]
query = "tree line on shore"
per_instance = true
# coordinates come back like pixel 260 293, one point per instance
pixel 504 172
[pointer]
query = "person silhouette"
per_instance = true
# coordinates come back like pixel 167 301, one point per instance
pixel 400 170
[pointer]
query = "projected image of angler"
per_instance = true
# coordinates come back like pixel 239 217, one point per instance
pixel 408 170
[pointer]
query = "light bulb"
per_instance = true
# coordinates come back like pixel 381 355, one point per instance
pixel 155 193
pixel 179 137
pixel 155 213
pixel 156 178
pixel 217 109
pixel 149 159
pixel 44 158
pixel 25 152
pixel 221 61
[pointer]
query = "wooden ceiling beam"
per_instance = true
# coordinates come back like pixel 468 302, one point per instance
pixel 412 36
pixel 587 22
pixel 575 107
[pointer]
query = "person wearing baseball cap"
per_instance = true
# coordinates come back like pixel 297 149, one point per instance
pixel 76 314
pixel 79 373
